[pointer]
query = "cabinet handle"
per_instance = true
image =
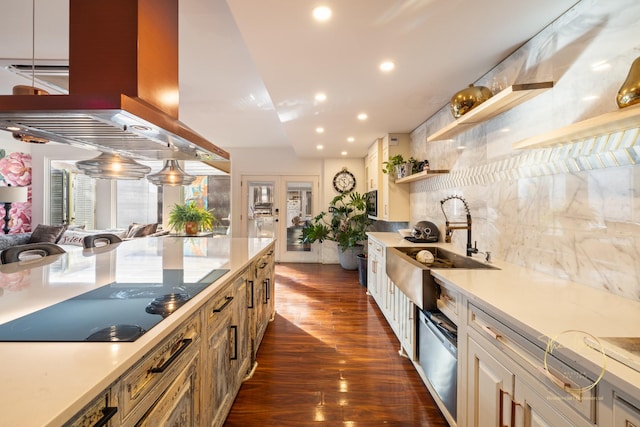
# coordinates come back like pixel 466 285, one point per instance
pixel 235 342
pixel 185 343
pixel 263 265
pixel 501 408
pixel 494 335
pixel 107 414
pixel 252 295
pixel 268 288
pixel 265 285
pixel 514 404
pixel 557 381
pixel 223 306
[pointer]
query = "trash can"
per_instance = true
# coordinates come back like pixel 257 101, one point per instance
pixel 362 269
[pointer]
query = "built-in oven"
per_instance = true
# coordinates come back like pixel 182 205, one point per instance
pixel 438 355
pixel 372 203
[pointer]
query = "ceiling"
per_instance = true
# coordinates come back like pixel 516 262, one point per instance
pixel 249 69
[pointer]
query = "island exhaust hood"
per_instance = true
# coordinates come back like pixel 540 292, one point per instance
pixel 123 87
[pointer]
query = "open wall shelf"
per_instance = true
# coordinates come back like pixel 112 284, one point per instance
pixel 497 104
pixel 615 121
pixel 421 175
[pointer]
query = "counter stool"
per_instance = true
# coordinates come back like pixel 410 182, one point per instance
pixel 100 239
pixel 29 251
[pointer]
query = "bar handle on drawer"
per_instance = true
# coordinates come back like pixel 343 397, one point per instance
pixel 174 356
pixel 223 306
pixel 557 381
pixel 491 332
pixel 107 414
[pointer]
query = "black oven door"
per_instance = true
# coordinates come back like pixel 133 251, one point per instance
pixel 372 203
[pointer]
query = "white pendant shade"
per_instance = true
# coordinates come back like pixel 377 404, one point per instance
pixel 113 166
pixel 171 174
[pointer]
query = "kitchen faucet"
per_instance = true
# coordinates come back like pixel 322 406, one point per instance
pixel 455 225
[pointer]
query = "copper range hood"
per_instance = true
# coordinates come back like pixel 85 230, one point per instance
pixel 123 86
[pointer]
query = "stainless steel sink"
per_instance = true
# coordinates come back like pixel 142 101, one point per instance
pixel 414 278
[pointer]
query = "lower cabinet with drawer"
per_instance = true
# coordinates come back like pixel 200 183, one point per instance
pixel 511 383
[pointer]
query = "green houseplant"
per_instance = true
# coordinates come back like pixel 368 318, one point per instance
pixel 191 218
pixel 345 223
pixel 398 166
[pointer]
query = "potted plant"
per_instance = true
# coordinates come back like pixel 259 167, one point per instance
pixel 398 166
pixel 345 223
pixel 191 218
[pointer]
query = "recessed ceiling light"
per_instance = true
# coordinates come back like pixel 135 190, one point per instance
pixel 13 128
pixel 319 129
pixel 362 116
pixel 387 66
pixel 320 97
pixel 344 153
pixel 351 139
pixel 319 147
pixel 321 13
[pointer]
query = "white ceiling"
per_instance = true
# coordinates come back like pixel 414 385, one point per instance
pixel 249 69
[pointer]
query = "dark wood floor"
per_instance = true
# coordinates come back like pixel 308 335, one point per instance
pixel 330 359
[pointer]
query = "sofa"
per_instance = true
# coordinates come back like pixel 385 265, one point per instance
pixel 74 236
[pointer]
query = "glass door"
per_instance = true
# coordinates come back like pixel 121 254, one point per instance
pixel 280 207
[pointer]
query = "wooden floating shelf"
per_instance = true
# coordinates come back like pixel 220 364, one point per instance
pixel 421 175
pixel 497 104
pixel 615 121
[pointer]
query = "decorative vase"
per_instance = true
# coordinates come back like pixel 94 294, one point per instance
pixel 629 93
pixel 191 228
pixel 466 99
pixel 349 257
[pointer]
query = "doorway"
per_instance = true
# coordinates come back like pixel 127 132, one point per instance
pixel 280 207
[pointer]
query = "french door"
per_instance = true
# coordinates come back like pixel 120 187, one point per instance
pixel 279 207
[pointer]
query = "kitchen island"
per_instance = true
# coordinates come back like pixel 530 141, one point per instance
pixel 529 346
pixel 49 383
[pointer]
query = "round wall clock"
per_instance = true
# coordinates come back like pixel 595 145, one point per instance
pixel 344 181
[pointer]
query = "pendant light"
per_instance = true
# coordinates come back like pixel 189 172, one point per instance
pixel 171 174
pixel 113 166
pixel 31 90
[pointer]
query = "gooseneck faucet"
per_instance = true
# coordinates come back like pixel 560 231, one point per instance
pixel 458 225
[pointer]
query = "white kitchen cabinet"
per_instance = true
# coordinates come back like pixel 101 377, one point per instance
pixel 393 198
pixel 507 381
pixel 625 414
pixel 489 385
pixel 375 268
pixel 406 325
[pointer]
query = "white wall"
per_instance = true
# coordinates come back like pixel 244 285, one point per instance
pixel 283 161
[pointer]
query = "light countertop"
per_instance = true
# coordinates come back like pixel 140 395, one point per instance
pixel 546 307
pixel 46 383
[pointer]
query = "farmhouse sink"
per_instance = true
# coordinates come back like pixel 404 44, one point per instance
pixel 414 278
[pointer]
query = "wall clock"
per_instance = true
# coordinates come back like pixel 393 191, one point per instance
pixel 344 181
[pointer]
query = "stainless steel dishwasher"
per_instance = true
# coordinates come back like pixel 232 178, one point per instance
pixel 438 355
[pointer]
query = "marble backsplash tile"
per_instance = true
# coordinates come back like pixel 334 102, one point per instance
pixel 571 211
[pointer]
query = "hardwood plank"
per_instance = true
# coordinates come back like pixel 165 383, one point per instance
pixel 330 359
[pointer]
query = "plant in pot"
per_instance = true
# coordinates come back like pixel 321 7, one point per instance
pixel 398 166
pixel 191 218
pixel 345 223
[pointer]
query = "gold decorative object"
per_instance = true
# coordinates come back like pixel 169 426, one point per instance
pixel 466 99
pixel 629 92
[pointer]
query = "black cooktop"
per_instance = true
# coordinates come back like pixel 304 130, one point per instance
pixel 114 312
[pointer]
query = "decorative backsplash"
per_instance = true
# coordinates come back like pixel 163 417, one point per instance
pixel 573 210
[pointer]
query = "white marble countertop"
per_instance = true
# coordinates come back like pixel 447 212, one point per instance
pixel 46 383
pixel 546 307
